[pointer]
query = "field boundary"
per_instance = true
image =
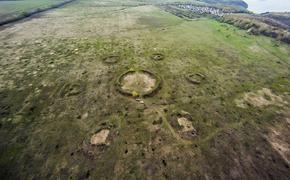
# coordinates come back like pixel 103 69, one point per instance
pixel 33 12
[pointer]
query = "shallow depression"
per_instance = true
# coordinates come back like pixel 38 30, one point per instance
pixel 138 82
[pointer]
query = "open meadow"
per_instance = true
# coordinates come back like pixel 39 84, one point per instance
pixel 124 90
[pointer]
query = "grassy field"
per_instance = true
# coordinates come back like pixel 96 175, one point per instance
pixel 11 8
pixel 240 110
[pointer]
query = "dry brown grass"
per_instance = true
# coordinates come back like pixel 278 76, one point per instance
pixel 260 98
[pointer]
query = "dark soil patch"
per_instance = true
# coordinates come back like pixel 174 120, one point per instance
pixel 112 59
pixel 157 57
pixel 4 110
pixel 195 78
pixel 71 89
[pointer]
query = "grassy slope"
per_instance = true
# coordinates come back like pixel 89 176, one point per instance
pixel 43 134
pixel 10 9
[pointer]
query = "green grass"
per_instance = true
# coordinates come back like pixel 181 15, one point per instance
pixel 43 133
pixel 9 9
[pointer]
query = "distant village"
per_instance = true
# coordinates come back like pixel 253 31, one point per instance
pixel 207 10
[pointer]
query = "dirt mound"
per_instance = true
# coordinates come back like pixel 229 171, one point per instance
pixel 281 146
pixel 70 89
pixel 185 124
pixel 261 98
pixel 138 83
pixel 187 130
pixel 182 123
pixel 279 139
pixel 157 57
pixel 100 137
pixel 195 78
pixel 112 59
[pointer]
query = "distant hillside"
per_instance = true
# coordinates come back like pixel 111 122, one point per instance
pixel 275 25
pixel 14 10
pixel 281 17
pixel 239 3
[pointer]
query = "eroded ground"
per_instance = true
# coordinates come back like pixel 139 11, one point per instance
pixel 62 117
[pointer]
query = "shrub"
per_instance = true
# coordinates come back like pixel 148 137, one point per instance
pixel 286 38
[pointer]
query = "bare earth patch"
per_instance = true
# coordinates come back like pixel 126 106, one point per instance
pixel 100 137
pixel 185 124
pixel 187 130
pixel 280 144
pixel 138 83
pixel 195 78
pixel 111 59
pixel 260 98
pixel 157 56
pixel 256 49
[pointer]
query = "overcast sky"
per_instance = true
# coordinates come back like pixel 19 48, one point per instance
pixel 259 6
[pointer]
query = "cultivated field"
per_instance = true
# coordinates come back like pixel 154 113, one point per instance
pixel 215 105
